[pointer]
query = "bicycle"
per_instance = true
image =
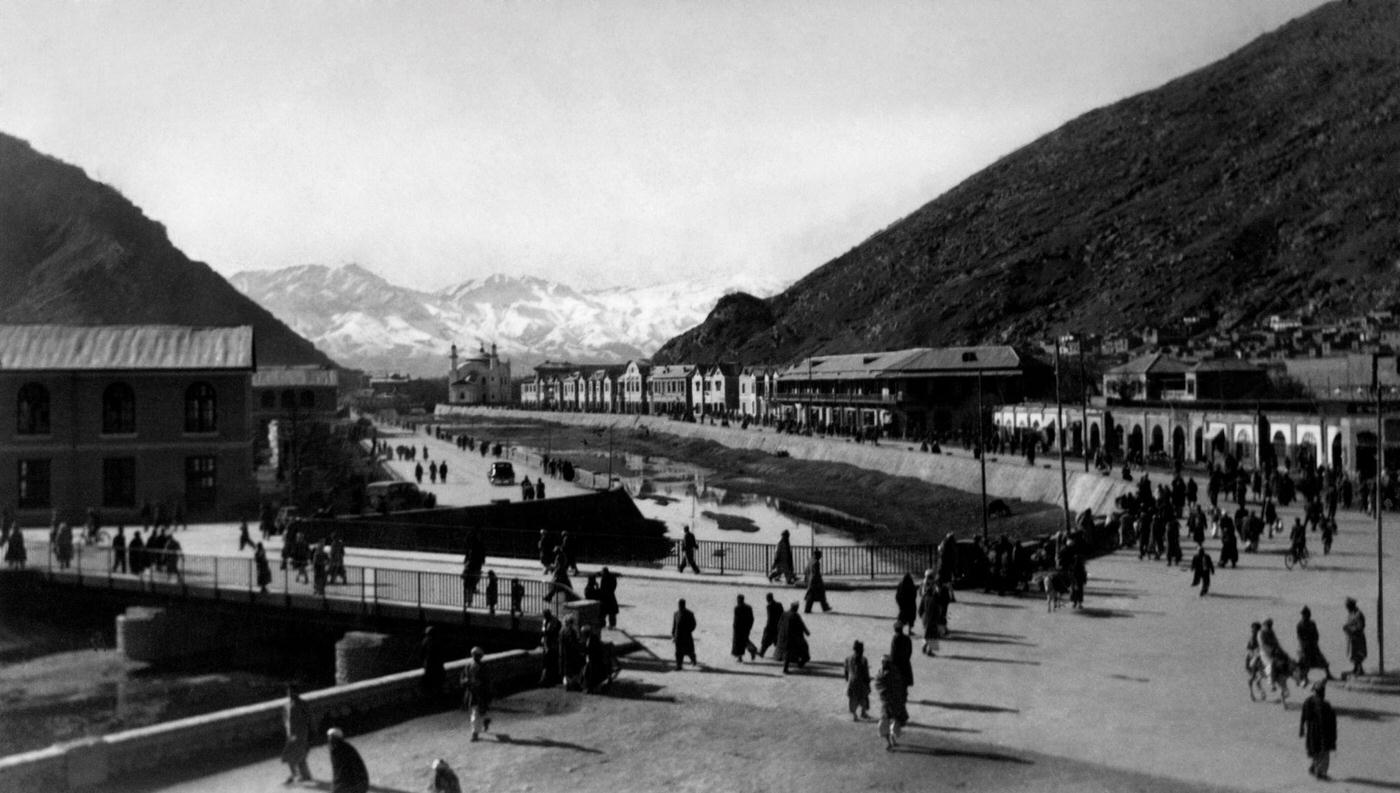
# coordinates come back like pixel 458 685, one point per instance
pixel 1298 556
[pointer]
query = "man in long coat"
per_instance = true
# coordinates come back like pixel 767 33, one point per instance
pixel 773 619
pixel 1309 652
pixel 792 639
pixel 902 653
pixel 816 585
pixel 296 720
pixel 683 634
pixel 1318 729
pixel 782 561
pixel 348 772
pixel 743 625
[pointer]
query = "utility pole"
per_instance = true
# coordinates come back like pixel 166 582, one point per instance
pixel 982 456
pixel 610 455
pixel 1060 423
pixel 1380 505
pixel 1084 401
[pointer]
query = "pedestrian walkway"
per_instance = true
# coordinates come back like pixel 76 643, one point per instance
pixel 1147 679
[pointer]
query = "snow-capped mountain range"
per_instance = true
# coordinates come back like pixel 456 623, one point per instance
pixel 364 322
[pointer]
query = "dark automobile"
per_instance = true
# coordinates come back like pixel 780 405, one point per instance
pixel 501 473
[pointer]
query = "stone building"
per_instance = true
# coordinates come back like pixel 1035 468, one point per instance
pixel 111 417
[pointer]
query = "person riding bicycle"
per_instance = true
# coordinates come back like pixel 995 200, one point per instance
pixel 1298 540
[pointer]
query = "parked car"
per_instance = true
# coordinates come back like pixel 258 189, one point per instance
pixel 392 496
pixel 501 473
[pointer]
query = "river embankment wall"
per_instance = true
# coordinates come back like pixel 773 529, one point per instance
pixel 1006 478
pixel 95 763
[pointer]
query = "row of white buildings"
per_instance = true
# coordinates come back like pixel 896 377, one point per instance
pixel 638 387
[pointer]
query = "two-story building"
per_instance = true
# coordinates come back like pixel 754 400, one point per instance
pixel 635 385
pixel 111 417
pixel 286 396
pixel 720 389
pixel 671 390
pixel 906 393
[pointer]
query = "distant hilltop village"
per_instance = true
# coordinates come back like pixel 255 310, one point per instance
pixel 1324 360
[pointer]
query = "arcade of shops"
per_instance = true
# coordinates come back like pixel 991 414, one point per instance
pixel 1344 441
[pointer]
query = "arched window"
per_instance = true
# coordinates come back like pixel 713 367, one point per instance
pixel 269 400
pixel 200 408
pixel 32 410
pixel 118 410
pixel 308 399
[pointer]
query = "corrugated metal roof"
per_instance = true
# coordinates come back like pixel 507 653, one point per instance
pixel 108 347
pixel 1227 365
pixel 853 366
pixel 959 359
pixel 293 376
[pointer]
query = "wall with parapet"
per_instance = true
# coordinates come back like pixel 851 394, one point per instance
pixel 95 762
pixel 1011 479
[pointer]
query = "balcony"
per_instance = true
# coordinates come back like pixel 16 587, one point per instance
pixel 819 398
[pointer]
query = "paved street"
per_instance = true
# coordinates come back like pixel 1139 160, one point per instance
pixel 1143 689
pixel 1147 679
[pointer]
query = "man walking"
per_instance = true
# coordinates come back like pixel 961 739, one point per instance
pixel 1309 650
pixel 296 719
pixel 683 634
pixel 1202 568
pixel 773 613
pixel 476 692
pixel 816 585
pixel 1318 729
pixel 688 547
pixel 743 625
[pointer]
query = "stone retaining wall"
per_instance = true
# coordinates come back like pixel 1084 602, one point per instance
pixel 91 763
pixel 1011 479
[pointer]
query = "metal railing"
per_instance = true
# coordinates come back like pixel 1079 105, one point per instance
pixel 230 577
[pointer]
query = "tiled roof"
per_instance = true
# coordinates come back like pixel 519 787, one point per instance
pixel 124 347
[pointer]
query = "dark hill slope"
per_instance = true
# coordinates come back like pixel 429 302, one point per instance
pixel 74 250
pixel 1254 185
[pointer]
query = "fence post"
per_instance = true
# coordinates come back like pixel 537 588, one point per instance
pixel 722 555
pixel 871 558
pixel 216 578
pixel 362 590
pixel 420 594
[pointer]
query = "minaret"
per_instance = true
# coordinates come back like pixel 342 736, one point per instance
pixel 453 373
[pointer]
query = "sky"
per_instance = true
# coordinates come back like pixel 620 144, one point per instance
pixel 593 143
